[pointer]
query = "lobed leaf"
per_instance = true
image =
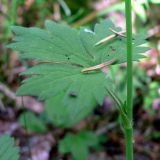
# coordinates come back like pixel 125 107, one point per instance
pixel 64 52
pixel 78 145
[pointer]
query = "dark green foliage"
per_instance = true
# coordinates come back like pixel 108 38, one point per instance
pixel 64 52
pixel 78 145
pixel 8 150
pixel 33 123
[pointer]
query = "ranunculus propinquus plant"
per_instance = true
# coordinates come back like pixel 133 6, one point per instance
pixel 70 71
pixel 63 52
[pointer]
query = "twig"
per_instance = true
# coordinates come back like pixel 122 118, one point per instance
pixel 2 107
pixel 86 19
pixel 5 90
pixel 111 36
pixel 118 33
pixel 99 66
pixel 91 16
pixel 106 128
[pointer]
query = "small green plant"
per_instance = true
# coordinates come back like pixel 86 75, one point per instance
pixel 78 144
pixel 35 123
pixel 70 74
pixel 8 149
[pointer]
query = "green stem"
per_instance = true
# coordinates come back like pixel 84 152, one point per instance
pixel 129 106
pixel 129 58
pixel 129 143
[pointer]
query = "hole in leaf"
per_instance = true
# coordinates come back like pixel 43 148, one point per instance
pixel 67 56
pixel 112 48
pixel 73 94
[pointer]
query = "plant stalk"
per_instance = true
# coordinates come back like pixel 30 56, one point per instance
pixel 129 143
pixel 129 107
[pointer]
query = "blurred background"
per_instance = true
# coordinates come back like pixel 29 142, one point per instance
pixel 40 140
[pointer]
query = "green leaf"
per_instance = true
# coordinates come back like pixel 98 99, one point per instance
pixel 8 150
pixel 78 145
pixel 64 52
pixel 65 116
pixel 60 43
pixel 122 110
pixel 148 101
pixel 33 124
pixel 139 10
